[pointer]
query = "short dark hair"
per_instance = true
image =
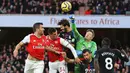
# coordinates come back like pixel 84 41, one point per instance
pixel 117 44
pixel 51 30
pixel 59 23
pixel 106 41
pixel 91 30
pixel 36 25
pixel 64 22
pixel 86 50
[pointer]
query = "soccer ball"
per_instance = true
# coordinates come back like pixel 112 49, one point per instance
pixel 66 6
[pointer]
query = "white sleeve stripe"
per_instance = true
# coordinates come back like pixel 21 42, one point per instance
pixel 66 44
pixel 26 39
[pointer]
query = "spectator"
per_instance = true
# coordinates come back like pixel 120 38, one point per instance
pixel 88 11
pixel 51 6
pixel 118 10
pixel 8 63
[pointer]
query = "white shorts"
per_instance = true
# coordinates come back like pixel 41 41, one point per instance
pixel 58 66
pixel 34 66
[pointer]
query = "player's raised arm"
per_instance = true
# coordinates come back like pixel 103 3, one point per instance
pixel 73 26
pixel 122 55
pixel 68 45
pixel 123 51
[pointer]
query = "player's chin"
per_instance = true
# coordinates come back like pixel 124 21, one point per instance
pixel 86 37
pixel 55 37
pixel 42 33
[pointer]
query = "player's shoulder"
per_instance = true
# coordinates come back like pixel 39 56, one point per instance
pixel 72 31
pixel 100 49
pixel 31 34
pixel 93 42
pixel 59 38
pixel 116 50
pixel 103 50
pixel 43 36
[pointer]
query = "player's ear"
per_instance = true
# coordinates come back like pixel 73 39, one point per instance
pixel 90 54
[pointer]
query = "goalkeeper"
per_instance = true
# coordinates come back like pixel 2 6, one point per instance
pixel 83 42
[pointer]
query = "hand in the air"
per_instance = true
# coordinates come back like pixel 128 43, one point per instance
pixel 72 19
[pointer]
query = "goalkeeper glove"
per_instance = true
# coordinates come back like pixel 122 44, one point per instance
pixel 72 19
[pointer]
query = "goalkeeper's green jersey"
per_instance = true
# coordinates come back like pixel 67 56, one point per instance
pixel 81 43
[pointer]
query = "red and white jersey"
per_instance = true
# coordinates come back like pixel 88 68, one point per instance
pixel 35 46
pixel 57 45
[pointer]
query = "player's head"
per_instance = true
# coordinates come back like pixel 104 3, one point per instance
pixel 87 54
pixel 89 34
pixel 64 25
pixel 52 32
pixel 61 26
pixel 106 42
pixel 38 27
pixel 117 44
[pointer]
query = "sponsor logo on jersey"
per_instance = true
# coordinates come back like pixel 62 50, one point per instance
pixel 53 47
pixel 34 40
pixel 39 46
pixel 56 42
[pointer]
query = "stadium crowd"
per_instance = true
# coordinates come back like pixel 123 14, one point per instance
pixel 83 7
pixel 8 63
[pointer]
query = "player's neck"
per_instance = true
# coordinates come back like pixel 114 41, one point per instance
pixel 50 38
pixel 88 40
pixel 90 60
pixel 37 35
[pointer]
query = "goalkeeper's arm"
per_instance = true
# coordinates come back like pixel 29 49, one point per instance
pixel 76 33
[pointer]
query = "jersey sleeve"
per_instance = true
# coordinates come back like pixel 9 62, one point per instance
pixel 68 45
pixel 76 33
pixel 94 49
pixel 63 42
pixel 121 55
pixel 26 39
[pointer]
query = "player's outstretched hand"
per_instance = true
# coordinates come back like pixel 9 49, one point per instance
pixel 15 53
pixel 72 18
pixel 116 65
pixel 77 60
